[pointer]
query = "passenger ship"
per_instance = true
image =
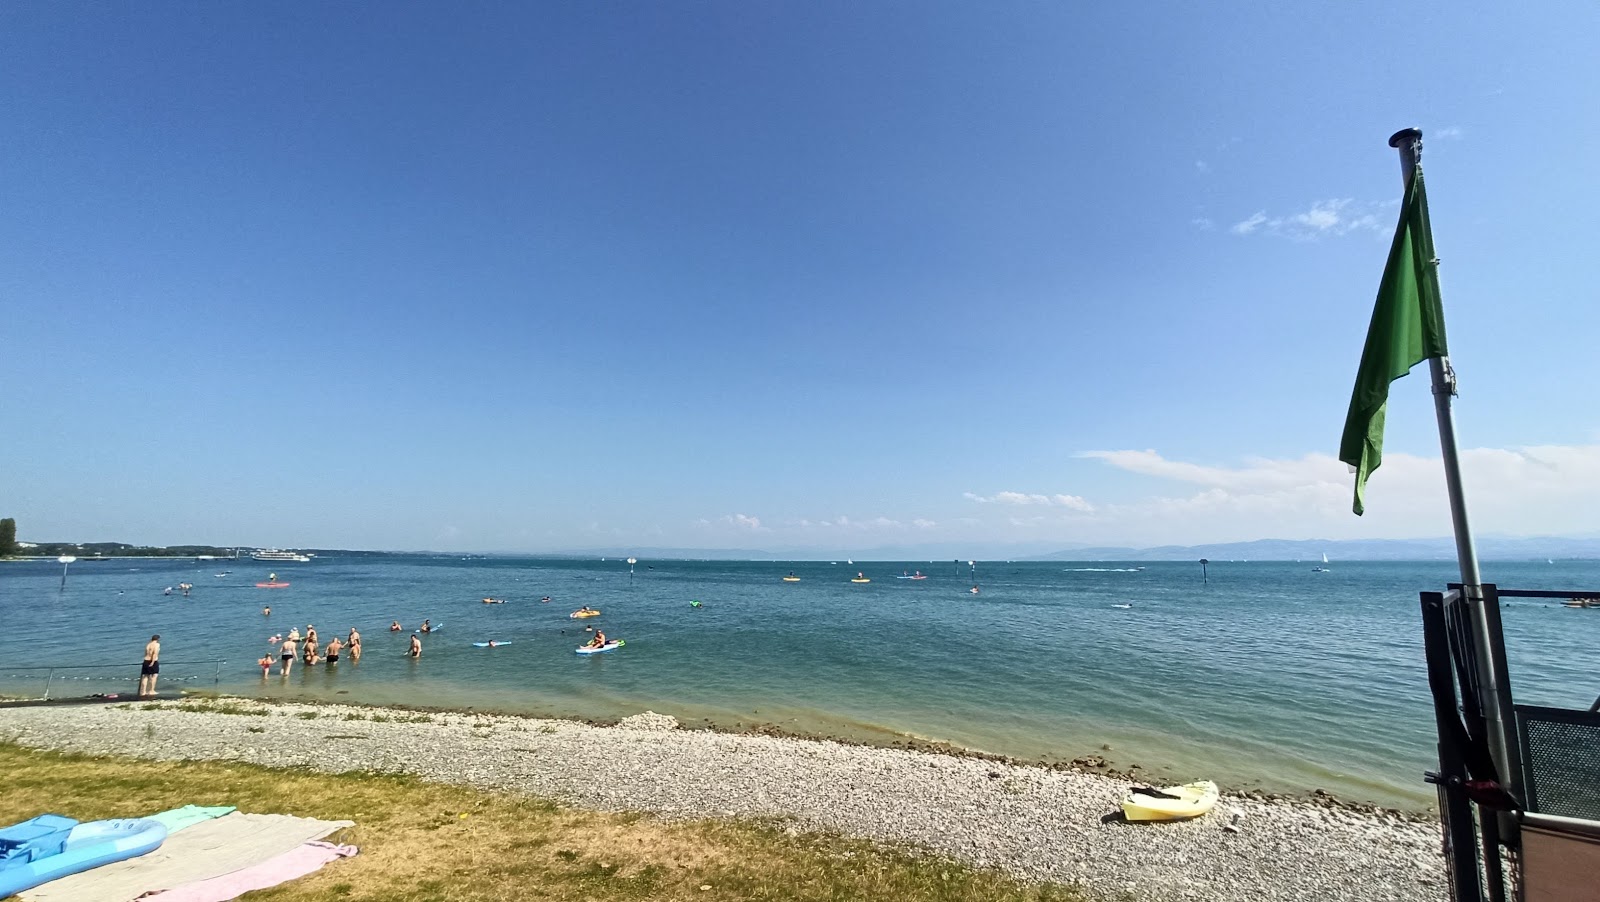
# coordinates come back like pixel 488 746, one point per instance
pixel 273 554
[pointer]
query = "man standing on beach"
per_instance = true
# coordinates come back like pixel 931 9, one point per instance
pixel 151 667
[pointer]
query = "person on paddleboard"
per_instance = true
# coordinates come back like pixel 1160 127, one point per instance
pixel 427 626
pixel 598 641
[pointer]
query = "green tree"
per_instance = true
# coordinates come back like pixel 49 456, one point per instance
pixel 8 537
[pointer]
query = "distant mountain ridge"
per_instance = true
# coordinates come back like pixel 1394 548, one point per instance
pixel 1489 548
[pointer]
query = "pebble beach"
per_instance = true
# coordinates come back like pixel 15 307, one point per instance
pixel 1036 823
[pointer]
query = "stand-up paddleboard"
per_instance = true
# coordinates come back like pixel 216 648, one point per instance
pixel 495 644
pixel 272 585
pixel 432 628
pixel 614 643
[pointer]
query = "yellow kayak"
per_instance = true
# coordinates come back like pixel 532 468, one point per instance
pixel 858 580
pixel 579 615
pixel 791 579
pixel 1170 803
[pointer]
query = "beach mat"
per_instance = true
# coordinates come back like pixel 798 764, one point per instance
pixel 208 849
pixel 307 859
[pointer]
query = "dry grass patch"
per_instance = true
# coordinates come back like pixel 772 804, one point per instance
pixel 431 842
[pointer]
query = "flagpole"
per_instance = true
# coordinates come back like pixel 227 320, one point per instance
pixel 1409 143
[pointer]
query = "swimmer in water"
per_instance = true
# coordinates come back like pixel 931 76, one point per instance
pixel 266 611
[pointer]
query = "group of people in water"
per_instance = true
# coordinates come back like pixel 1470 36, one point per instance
pixel 307 648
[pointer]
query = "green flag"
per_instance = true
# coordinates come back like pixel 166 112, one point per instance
pixel 1407 328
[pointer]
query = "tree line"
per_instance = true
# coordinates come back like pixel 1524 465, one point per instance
pixel 8 547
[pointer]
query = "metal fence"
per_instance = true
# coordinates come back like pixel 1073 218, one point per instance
pixel 1547 778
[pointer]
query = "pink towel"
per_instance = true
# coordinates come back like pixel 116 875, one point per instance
pixel 307 859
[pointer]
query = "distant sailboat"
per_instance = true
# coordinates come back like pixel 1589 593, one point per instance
pixel 1322 569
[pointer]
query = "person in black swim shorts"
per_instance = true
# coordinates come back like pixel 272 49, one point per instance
pixel 287 654
pixel 150 670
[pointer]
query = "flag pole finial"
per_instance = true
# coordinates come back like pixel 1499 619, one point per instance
pixel 1409 142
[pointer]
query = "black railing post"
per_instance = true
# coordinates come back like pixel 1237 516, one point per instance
pixel 1459 833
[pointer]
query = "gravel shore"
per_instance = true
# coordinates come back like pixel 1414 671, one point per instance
pixel 1036 823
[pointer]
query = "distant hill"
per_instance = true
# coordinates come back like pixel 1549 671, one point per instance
pixel 1503 548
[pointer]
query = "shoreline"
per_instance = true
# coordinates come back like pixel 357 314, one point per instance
pixel 1101 762
pixel 1035 822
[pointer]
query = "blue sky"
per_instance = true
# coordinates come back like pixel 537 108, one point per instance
pixel 793 276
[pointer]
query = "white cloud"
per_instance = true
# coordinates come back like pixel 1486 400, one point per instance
pixel 924 524
pixel 1249 225
pixel 1448 133
pixel 1324 218
pixel 1201 166
pixel 753 524
pixel 1202 223
pixel 1068 501
pixel 1542 490
pixel 874 524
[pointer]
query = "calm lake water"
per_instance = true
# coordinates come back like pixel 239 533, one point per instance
pixel 1271 675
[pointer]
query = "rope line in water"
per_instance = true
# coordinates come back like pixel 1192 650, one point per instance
pixel 101 679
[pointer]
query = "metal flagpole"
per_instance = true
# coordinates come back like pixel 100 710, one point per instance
pixel 1409 143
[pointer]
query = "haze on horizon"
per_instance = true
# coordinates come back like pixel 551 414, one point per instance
pixel 540 278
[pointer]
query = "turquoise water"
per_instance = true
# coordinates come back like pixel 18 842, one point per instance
pixel 1272 675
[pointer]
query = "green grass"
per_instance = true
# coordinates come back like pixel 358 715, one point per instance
pixel 431 842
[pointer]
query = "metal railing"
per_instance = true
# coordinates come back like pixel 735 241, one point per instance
pixel 53 675
pixel 1554 762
